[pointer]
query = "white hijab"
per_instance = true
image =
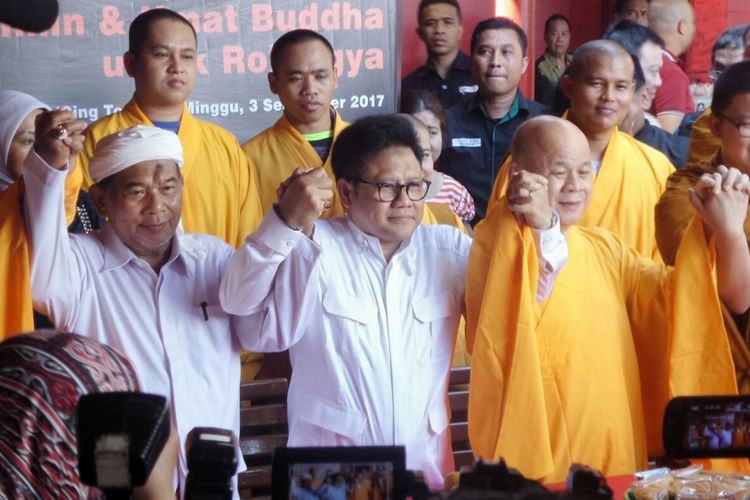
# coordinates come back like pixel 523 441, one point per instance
pixel 14 108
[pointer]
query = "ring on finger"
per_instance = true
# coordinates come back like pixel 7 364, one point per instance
pixel 60 132
pixel 326 205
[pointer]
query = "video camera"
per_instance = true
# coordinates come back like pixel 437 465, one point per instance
pixel 122 434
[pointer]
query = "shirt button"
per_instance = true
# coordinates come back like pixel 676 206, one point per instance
pixel 445 87
pixel 288 243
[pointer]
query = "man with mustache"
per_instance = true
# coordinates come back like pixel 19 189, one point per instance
pixel 220 192
pixel 447 73
pixel 629 176
pixel 582 373
pixel 138 285
pixel 481 127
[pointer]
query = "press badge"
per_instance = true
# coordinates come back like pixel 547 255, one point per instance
pixel 466 142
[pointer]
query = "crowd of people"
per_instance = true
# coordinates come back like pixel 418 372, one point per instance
pixel 587 250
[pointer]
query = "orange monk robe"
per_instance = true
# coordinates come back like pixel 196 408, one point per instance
pixel 703 143
pixel 628 184
pixel 584 376
pixel 16 313
pixel 219 196
pixel 673 214
pixel 277 151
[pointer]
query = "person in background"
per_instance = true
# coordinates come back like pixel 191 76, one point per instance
pixel 551 65
pixel 632 10
pixel 725 52
pixel 303 76
pixel 581 373
pixel 644 45
pixel 729 122
pixel 18 112
pixel 42 376
pixel 674 22
pixel 447 71
pixel 425 107
pixel 480 129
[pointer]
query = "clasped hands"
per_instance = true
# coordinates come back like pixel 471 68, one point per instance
pixel 58 137
pixel 304 196
pixel 528 198
pixel 721 199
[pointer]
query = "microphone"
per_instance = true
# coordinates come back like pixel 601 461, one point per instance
pixel 29 15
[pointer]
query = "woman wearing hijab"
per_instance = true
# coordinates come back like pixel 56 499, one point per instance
pixel 18 112
pixel 42 376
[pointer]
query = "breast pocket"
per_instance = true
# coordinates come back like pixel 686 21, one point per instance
pixel 354 320
pixel 435 327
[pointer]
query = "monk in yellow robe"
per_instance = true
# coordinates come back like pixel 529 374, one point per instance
pixel 304 78
pixel 581 371
pixel 18 114
pixel 220 196
pixel 629 175
pixel 730 129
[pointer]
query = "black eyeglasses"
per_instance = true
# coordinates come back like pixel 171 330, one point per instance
pixel 742 127
pixel 389 191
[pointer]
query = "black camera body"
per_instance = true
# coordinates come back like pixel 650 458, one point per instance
pixel 212 461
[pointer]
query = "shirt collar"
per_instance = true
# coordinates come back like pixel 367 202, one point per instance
pixel 460 63
pixel 370 243
pixel 117 255
pixel 519 103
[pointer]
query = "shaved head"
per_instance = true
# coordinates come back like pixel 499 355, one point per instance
pixel 541 137
pixel 665 14
pixel 586 54
pixel 557 150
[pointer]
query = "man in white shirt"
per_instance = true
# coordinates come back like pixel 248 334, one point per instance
pixel 367 304
pixel 140 285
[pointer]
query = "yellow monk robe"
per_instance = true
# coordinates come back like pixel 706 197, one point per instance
pixel 584 376
pixel 630 180
pixel 703 143
pixel 219 196
pixel 277 151
pixel 16 312
pixel 673 214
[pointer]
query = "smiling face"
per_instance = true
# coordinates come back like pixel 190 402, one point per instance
pixel 143 204
pixel 390 222
pixel 557 150
pixel 164 70
pixel 434 128
pixel 440 28
pixel 600 91
pixel 305 81
pixel 21 144
pixel 497 62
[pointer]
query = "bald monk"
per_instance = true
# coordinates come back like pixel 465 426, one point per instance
pixel 730 125
pixel 582 373
pixel 629 175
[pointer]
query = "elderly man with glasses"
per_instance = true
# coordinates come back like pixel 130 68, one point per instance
pixel 368 304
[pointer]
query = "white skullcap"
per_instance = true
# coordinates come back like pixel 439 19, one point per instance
pixel 133 145
pixel 14 108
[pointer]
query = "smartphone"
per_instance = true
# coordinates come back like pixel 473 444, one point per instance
pixel 707 427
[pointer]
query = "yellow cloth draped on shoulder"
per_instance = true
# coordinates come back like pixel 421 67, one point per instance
pixel 584 376
pixel 673 214
pixel 16 312
pixel 277 151
pixel 628 184
pixel 220 196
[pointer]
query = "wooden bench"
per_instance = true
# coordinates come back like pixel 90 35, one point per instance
pixel 263 428
pixel 458 397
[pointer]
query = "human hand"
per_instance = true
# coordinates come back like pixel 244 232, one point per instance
pixel 721 199
pixel 304 196
pixel 528 198
pixel 58 137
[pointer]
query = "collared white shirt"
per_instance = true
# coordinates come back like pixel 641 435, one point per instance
pixel 170 325
pixel 370 341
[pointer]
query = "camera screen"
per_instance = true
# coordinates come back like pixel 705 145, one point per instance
pixel 718 426
pixel 341 481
